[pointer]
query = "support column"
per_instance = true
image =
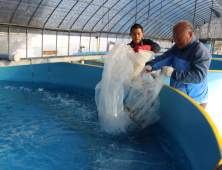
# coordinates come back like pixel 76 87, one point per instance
pixel 26 42
pixel 42 45
pixel 9 29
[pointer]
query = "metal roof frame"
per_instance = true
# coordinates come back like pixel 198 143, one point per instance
pixel 160 12
pixel 52 13
pixel 137 19
pixel 35 12
pixel 169 32
pixel 81 13
pixel 166 20
pixel 156 17
pixel 182 13
pixel 106 13
pixel 122 18
pixel 152 22
pixel 67 14
pixel 15 12
pixel 144 19
pixel 116 14
pixel 184 8
pixel 94 14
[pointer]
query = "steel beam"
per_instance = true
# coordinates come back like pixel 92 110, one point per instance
pixel 15 11
pixel 52 13
pixel 35 12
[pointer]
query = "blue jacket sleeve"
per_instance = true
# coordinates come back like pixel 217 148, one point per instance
pixel 199 67
pixel 165 59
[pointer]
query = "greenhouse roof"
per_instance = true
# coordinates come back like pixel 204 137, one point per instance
pixel 108 17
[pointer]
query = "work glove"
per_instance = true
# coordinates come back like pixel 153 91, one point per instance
pixel 147 68
pixel 142 47
pixel 167 71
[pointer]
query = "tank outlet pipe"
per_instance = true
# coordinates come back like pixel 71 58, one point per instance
pixel 10 57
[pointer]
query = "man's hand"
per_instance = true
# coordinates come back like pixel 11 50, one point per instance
pixel 142 47
pixel 167 71
pixel 147 68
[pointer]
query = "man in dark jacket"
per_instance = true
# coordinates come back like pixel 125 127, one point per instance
pixel 190 61
pixel 136 32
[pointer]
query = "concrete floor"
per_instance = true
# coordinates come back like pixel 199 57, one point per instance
pixel 214 106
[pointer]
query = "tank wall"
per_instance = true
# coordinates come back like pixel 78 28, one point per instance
pixel 192 127
pixel 185 121
pixel 65 74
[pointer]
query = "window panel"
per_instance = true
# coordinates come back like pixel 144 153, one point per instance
pixel 74 44
pixel 102 44
pixel 62 45
pixel 3 43
pixel 85 43
pixel 94 42
pixel 49 43
pixel 34 45
pixel 18 44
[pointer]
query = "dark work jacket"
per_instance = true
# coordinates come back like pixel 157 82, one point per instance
pixel 154 46
pixel 191 64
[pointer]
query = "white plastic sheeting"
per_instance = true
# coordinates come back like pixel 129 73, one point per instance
pixel 124 100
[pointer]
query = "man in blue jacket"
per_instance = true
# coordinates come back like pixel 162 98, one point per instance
pixel 186 63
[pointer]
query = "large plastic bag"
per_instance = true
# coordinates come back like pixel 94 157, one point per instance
pixel 142 102
pixel 125 101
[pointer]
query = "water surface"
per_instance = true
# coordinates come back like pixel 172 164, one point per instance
pixel 46 127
